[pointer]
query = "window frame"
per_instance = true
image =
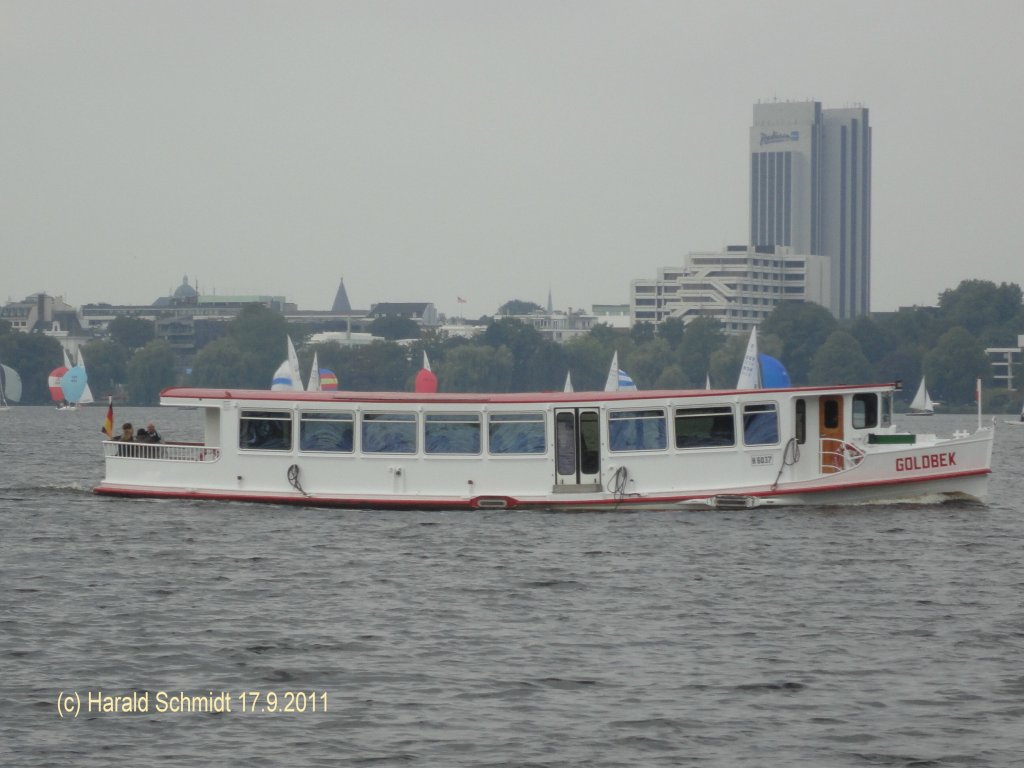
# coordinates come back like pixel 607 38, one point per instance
pixel 712 410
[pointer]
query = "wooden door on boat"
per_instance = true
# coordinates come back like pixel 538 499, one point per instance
pixel 830 419
pixel 577 450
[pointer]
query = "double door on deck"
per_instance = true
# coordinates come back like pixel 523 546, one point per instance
pixel 577 450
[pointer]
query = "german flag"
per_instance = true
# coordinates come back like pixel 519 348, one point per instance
pixel 108 423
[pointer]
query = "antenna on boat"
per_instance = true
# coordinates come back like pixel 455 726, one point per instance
pixel 977 396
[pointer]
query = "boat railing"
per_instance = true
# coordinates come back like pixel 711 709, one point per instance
pixel 161 451
pixel 839 455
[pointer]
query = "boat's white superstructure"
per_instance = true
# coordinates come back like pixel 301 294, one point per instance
pixel 565 450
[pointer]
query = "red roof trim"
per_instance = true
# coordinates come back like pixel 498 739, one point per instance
pixel 340 396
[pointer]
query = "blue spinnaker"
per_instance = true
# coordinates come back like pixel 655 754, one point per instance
pixel 72 384
pixel 773 373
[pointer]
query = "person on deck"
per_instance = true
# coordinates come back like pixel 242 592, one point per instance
pixel 127 434
pixel 151 435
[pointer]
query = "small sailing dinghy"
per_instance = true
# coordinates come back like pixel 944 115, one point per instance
pixel 922 404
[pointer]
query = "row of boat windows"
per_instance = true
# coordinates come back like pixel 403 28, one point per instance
pixel 507 433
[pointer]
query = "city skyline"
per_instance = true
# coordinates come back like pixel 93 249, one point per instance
pixel 429 152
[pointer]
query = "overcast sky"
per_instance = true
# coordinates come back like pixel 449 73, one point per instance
pixel 432 149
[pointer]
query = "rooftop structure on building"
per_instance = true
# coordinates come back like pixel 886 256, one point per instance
pixel 423 312
pixel 1003 360
pixel 341 305
pixel 810 189
pixel 739 285
pixel 50 316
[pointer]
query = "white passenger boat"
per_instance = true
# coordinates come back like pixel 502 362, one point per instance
pixel 566 450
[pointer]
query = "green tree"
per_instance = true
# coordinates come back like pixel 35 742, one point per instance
pixel 259 336
pixel 703 337
pixel 536 362
pixel 672 330
pixel 33 356
pixel 642 332
pixel 983 309
pixel 220 364
pixel 150 370
pixel 394 327
pixel 587 358
pixel 646 363
pixel 131 332
pixel 378 367
pixel 875 341
pixel 840 361
pixel 954 365
pixel 477 368
pixel 519 307
pixel 726 362
pixel 803 327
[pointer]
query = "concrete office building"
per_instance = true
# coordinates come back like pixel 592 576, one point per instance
pixel 810 189
pixel 739 285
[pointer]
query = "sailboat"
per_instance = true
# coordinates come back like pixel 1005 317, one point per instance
pixel 922 404
pixel 287 377
pixel 10 386
pixel 73 385
pixel 618 380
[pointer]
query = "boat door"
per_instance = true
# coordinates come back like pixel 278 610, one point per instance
pixel 577 450
pixel 830 421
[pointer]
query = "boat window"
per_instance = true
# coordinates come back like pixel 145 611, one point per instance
pixel 886 409
pixel 590 443
pixel 637 430
pixel 451 433
pixel 265 430
pixel 760 424
pixel 390 432
pixel 801 421
pixel 831 412
pixel 510 433
pixel 709 426
pixel 327 432
pixel 565 443
pixel 865 410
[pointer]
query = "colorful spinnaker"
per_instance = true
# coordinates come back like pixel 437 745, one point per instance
pixel 53 382
pixel 73 384
pixel 426 381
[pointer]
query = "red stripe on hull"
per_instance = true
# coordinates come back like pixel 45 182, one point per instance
pixel 510 502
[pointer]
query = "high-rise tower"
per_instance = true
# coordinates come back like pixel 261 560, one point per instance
pixel 810 189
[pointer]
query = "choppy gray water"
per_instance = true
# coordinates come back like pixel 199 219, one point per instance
pixel 867 636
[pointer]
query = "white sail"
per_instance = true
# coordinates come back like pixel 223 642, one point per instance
pixel 568 382
pixel 750 373
pixel 293 366
pixel 922 402
pixel 10 386
pixel 283 381
pixel 86 397
pixel 426 362
pixel 314 376
pixel 611 384
pixel 618 380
